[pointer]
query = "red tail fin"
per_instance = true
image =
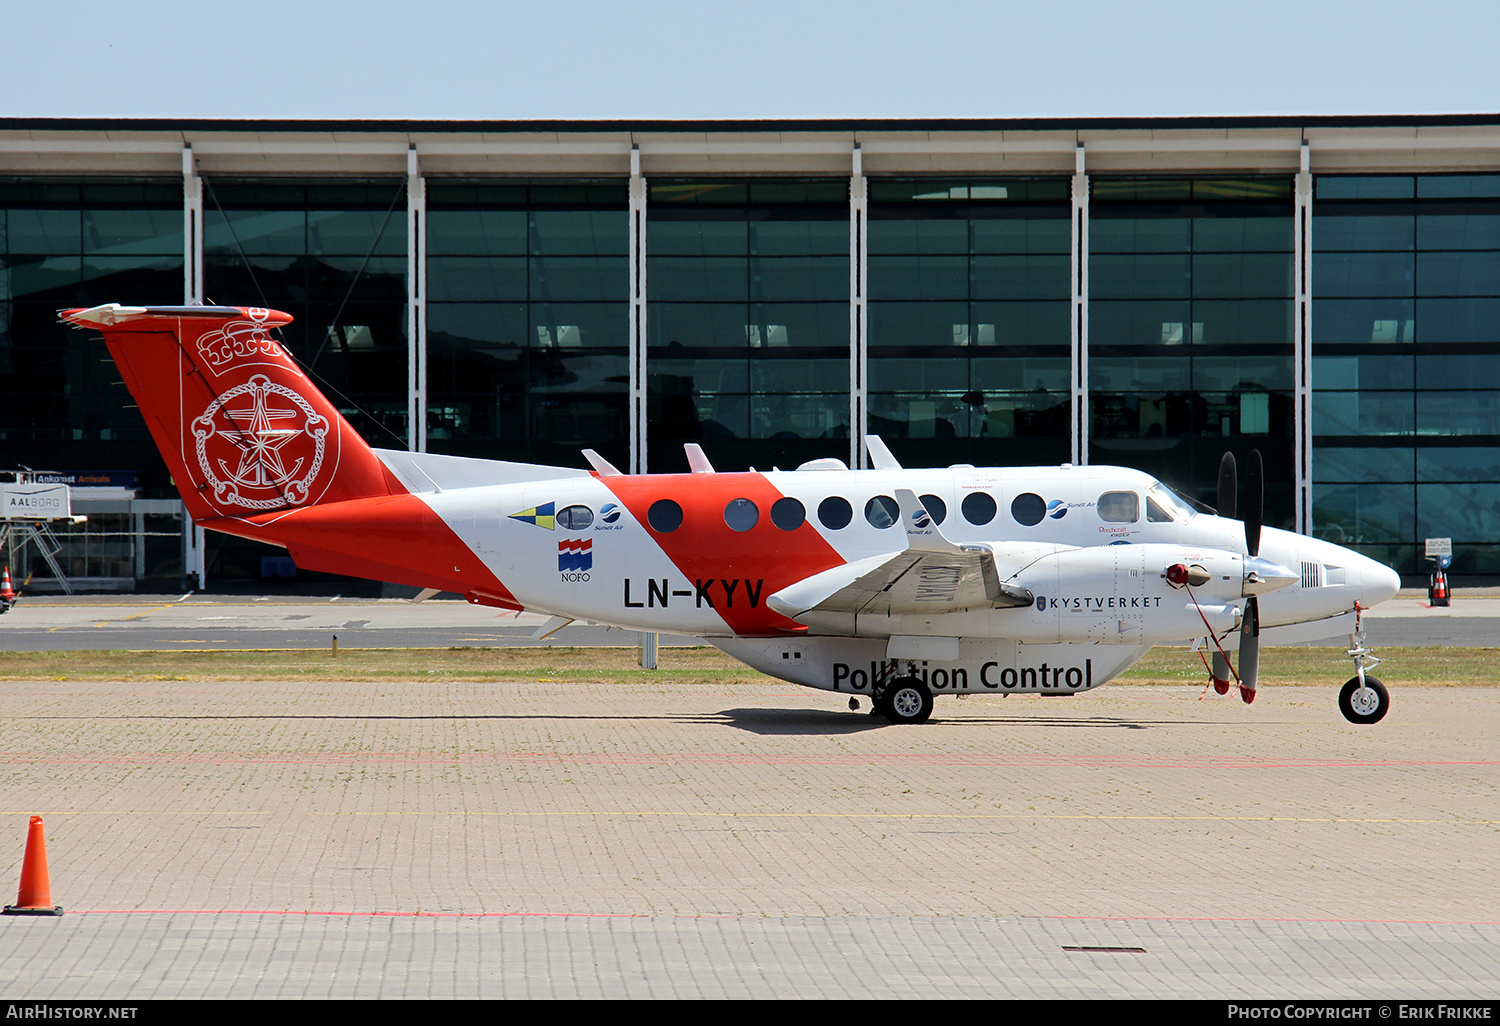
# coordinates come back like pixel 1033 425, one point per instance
pixel 242 429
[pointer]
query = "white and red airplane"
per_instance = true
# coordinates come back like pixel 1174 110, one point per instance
pixel 890 583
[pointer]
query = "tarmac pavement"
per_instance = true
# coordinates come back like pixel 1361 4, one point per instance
pixel 543 839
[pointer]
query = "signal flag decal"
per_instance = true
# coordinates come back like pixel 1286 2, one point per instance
pixel 544 515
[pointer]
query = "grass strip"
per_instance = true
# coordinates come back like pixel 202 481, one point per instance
pixel 1433 665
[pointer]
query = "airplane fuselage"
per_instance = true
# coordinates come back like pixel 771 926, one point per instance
pixel 1050 579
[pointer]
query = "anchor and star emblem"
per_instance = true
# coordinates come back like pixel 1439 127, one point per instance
pixel 275 445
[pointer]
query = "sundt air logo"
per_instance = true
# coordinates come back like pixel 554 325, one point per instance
pixel 575 558
pixel 609 518
pixel 544 515
pixel 920 520
pixel 261 446
pixel 1057 509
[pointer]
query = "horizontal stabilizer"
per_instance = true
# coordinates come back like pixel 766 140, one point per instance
pixel 428 472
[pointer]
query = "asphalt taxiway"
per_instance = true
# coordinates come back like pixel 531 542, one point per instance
pixel 137 622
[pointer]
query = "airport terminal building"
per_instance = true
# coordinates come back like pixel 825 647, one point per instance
pixel 1148 292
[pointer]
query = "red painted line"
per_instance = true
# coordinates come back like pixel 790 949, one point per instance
pixel 390 915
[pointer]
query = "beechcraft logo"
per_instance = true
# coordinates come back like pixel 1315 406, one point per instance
pixel 575 554
pixel 544 515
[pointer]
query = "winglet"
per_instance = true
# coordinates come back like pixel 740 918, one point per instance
pixel 922 532
pixel 601 466
pixel 697 459
pixel 880 454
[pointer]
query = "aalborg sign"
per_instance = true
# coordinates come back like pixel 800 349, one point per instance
pixel 34 501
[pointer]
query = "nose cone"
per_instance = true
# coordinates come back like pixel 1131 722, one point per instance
pixel 1377 582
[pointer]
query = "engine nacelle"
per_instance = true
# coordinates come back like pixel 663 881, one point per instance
pixel 1121 594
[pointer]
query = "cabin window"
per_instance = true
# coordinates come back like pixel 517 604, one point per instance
pixel 978 508
pixel 664 516
pixel 882 512
pixel 575 518
pixel 835 512
pixel 1028 509
pixel 936 508
pixel 787 513
pixel 741 514
pixel 1119 507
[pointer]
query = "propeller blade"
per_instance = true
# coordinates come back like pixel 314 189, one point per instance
pixel 1250 650
pixel 1255 503
pixel 1228 486
pixel 1223 674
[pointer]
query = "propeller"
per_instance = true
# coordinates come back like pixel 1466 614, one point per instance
pixel 1228 505
pixel 1255 507
pixel 1223 673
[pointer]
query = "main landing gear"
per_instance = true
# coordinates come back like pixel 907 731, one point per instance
pixel 903 700
pixel 1363 698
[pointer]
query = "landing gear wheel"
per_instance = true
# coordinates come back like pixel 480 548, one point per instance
pixel 1364 706
pixel 907 700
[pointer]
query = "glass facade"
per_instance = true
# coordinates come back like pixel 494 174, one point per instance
pixel 1406 366
pixel 79 242
pixel 333 255
pixel 1190 329
pixel 969 322
pixel 748 323
pixel 749 328
pixel 528 320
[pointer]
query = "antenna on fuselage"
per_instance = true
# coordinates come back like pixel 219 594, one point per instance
pixel 880 454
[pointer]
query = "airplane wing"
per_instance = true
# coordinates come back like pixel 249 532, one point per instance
pixel 931 575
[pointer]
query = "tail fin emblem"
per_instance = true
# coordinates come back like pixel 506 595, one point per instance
pixel 260 445
pixel 239 342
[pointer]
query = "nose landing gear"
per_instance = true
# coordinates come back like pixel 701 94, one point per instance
pixel 1363 698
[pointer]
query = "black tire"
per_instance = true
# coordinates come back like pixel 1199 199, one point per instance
pixel 1365 712
pixel 907 700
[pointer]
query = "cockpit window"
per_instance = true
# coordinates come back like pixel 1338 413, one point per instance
pixel 1170 504
pixel 1119 507
pixel 1155 514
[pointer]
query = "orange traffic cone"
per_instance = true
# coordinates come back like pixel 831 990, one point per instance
pixel 7 594
pixel 35 896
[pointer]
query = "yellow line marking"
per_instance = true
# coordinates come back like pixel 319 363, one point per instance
pixel 155 609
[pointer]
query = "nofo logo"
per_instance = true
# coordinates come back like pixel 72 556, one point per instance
pixel 609 513
pixel 1057 509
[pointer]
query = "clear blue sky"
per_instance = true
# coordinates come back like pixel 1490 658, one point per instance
pixel 772 59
